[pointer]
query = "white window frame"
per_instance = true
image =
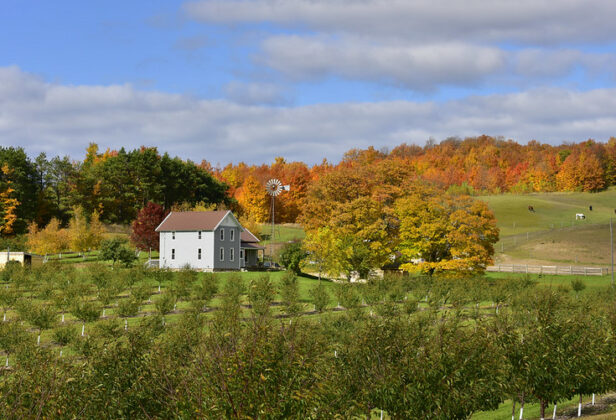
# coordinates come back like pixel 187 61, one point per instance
pixel 173 235
pixel 231 254
pixel 232 235
pixel 173 253
pixel 199 234
pixel 199 254
pixel 222 254
pixel 222 234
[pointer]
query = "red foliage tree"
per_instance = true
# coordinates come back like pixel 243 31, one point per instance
pixel 143 235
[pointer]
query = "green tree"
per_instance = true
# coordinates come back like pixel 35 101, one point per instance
pixel 291 257
pixel 204 291
pixel 116 249
pixel 261 293
pixel 289 291
pixel 320 297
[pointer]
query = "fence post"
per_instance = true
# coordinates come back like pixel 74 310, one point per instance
pixel 585 271
pixel 526 268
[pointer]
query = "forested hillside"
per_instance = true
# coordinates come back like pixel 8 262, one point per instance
pixel 119 183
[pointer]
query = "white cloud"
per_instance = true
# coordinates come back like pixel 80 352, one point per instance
pixel 418 67
pixel 425 67
pixel 62 119
pixel 424 45
pixel 535 22
pixel 256 93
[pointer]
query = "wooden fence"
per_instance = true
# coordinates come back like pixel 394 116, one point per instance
pixel 570 270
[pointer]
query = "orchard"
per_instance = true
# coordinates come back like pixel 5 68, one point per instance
pixel 96 342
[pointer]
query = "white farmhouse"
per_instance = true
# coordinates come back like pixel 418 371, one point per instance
pixel 209 241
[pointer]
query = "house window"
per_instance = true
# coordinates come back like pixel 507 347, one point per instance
pixel 222 254
pixel 222 234
pixel 231 254
pixel 173 253
pixel 172 235
pixel 199 253
pixel 199 234
pixel 241 254
pixel 232 235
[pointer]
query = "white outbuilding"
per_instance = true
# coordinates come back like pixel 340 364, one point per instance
pixel 208 241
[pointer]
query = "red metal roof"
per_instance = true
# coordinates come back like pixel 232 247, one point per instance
pixel 192 220
pixel 247 236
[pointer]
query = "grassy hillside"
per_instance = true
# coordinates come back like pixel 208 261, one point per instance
pixel 550 234
pixel 552 210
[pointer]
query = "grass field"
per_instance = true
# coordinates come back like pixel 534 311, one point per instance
pixel 552 210
pixel 282 233
pixel 550 234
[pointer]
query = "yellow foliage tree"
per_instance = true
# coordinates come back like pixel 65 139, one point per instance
pixel 50 240
pixel 83 236
pixel 254 200
pixel 442 234
pixel 8 204
pixel 321 246
pixel 96 231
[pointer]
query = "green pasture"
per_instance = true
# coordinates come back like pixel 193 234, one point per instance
pixel 552 210
pixel 287 232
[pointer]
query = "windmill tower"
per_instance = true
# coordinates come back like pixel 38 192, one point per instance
pixel 273 188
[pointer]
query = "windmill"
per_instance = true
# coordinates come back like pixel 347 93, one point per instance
pixel 273 188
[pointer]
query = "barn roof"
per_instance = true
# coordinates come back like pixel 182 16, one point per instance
pixel 192 220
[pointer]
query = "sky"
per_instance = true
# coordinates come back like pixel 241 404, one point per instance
pixel 250 80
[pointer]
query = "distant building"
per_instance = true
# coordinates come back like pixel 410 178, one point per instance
pixel 24 258
pixel 209 241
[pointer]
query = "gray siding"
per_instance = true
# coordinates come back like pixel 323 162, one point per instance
pixel 227 244
pixel 251 258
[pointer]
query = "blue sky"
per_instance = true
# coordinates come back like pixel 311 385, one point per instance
pixel 232 80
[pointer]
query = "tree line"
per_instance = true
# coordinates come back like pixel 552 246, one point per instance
pixel 114 184
pixel 118 183
pixel 474 165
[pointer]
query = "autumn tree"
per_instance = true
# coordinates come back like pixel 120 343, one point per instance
pixel 254 200
pixel 83 235
pixel 8 203
pixel 581 171
pixel 445 233
pixel 143 234
pixel 320 245
pixel 50 240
